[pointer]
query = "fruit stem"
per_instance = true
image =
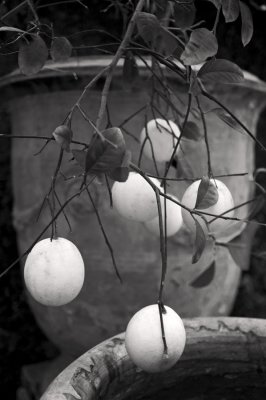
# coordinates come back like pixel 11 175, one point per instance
pixel 180 136
pixel 105 236
pixel 47 227
pixel 163 241
pixel 57 169
pixel 162 311
pixel 210 174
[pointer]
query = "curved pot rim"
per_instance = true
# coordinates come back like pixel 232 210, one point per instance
pixel 106 369
pixel 81 65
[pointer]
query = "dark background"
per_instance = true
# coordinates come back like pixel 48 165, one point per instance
pixel 21 341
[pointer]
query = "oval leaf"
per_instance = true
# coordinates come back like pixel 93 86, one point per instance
pixel 200 242
pixel 102 155
pixel 230 121
pixel 207 194
pixel 148 26
pixel 168 43
pixel 63 136
pixel 205 278
pixel 184 13
pixel 247 23
pixel 61 49
pixel 222 71
pixel 32 55
pixel 201 45
pixel 191 131
pixel 230 10
pixel 121 173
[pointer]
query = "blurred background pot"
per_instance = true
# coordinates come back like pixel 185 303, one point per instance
pixel 224 358
pixel 36 106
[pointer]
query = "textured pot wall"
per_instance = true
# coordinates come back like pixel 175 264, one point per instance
pixel 224 358
pixel 104 306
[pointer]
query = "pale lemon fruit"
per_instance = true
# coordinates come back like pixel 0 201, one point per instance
pixel 144 342
pixel 54 272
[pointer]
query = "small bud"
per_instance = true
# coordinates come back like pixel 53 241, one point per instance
pixel 63 136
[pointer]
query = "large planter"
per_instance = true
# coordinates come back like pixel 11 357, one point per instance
pixel 224 358
pixel 36 106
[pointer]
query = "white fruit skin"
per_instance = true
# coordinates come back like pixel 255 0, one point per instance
pixel 224 203
pixel 143 339
pixel 162 139
pixel 173 216
pixel 135 199
pixel 54 272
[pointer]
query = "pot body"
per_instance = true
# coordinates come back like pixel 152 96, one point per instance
pixel 104 306
pixel 224 358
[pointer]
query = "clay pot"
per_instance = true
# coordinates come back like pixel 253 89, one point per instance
pixel 224 358
pixel 37 106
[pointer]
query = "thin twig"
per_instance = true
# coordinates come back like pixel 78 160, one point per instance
pixel 205 137
pixel 197 178
pixel 105 236
pixel 115 60
pixel 215 100
pixel 8 136
pixel 45 229
pixel 109 190
pixel 200 213
pixel 31 7
pixel 181 134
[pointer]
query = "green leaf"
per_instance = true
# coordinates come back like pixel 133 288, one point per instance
pixel 102 155
pixel 148 27
pixel 201 45
pixel 200 242
pixel 191 131
pixel 184 13
pixel 63 136
pixel 222 71
pixel 207 194
pixel 247 23
pixel 61 49
pixel 121 173
pixel 230 10
pixel 228 119
pixel 32 55
pixel 169 44
pixel 130 68
pixel 191 161
pixel 205 278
